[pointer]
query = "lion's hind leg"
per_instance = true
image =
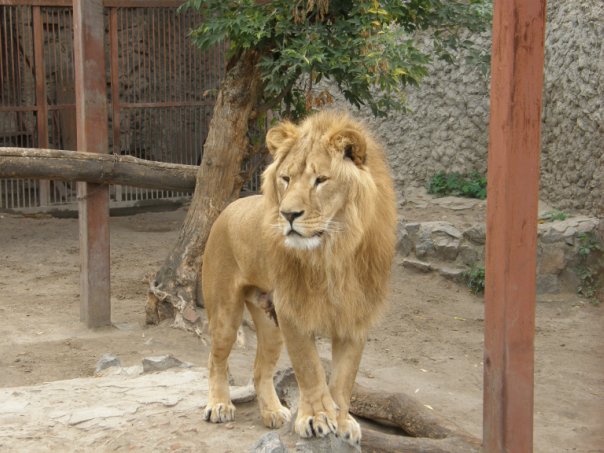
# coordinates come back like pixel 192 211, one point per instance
pixel 224 321
pixel 270 342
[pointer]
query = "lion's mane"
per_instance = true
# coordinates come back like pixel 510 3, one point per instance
pixel 340 288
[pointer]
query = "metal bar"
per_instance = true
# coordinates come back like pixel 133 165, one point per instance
pixel 115 80
pixel 513 184
pixel 41 99
pixel 154 32
pixel 10 40
pixel 92 135
pixel 127 54
pixel 33 108
pixel 139 74
pixel 169 104
pixel 115 90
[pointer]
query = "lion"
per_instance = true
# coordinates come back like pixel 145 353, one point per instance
pixel 320 239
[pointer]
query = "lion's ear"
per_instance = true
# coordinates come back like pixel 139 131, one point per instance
pixel 351 144
pixel 279 135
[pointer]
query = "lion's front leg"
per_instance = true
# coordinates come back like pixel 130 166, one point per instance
pixel 317 410
pixel 346 357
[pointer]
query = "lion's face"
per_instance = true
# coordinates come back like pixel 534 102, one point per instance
pixel 310 199
pixel 314 180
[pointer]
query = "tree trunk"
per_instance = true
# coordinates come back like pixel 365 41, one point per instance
pixel 174 290
pixel 98 168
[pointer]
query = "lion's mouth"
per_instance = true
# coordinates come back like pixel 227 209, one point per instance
pixel 294 233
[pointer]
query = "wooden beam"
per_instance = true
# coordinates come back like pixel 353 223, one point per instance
pixel 106 3
pixel 512 199
pixel 92 135
pixel 98 168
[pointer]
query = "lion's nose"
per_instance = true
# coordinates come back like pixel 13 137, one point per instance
pixel 290 216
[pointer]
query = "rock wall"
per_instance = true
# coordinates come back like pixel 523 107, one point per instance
pixel 447 126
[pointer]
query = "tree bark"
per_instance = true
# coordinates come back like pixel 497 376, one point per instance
pixel 173 292
pixel 375 441
pixel 429 433
pixel 97 168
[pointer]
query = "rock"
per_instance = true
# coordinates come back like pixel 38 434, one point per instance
pixel 567 230
pixel 476 234
pixel 451 273
pixel 456 203
pixel 190 314
pixel 417 265
pixel 470 255
pixel 552 259
pixel 446 248
pixel 440 239
pixel 269 443
pixel 405 243
pixel 548 284
pixel 287 387
pixel 107 361
pixel 412 228
pixel 327 444
pixel 161 363
pixel 443 227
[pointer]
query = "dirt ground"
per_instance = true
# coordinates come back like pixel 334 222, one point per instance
pixel 429 344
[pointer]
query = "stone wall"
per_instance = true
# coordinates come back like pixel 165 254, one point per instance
pixel 447 126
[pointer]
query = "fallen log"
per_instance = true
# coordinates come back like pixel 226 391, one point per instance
pixel 422 431
pixel 428 432
pixel 375 441
pixel 61 165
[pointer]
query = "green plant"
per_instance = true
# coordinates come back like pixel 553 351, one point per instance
pixel 474 279
pixel 369 49
pixel 590 268
pixel 553 215
pixel 471 185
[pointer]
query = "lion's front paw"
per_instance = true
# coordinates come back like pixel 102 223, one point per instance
pixel 219 412
pixel 349 430
pixel 276 419
pixel 320 425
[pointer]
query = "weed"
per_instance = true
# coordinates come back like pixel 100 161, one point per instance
pixel 471 185
pixel 553 215
pixel 474 279
pixel 590 267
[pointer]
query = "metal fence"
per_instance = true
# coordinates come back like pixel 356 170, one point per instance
pixel 160 96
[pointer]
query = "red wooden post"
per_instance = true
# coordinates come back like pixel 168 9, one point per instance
pixel 92 135
pixel 512 200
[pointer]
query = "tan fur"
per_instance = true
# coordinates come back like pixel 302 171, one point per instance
pixel 330 184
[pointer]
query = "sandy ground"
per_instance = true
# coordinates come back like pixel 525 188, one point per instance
pixel 429 344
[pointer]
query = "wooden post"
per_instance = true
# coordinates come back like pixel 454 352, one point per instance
pixel 92 135
pixel 512 203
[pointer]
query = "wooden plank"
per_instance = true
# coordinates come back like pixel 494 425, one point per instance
pixel 512 199
pixel 92 135
pixel 142 3
pixel 62 3
pixel 62 165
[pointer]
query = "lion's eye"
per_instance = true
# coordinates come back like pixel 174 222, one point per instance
pixel 320 180
pixel 286 179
